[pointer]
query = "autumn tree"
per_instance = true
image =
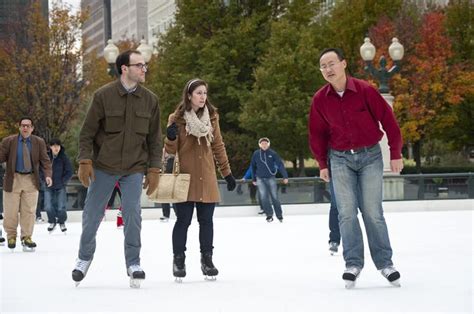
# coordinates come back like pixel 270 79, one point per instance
pixel 43 76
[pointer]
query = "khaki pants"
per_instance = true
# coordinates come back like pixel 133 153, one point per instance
pixel 21 201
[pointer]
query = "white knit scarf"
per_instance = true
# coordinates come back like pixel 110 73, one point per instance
pixel 199 127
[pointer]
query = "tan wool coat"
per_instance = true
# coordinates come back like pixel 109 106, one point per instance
pixel 198 160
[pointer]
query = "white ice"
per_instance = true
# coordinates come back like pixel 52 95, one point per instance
pixel 262 267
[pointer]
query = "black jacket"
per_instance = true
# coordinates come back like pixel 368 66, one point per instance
pixel 62 169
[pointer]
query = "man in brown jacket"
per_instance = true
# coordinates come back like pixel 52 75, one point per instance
pixel 120 140
pixel 23 153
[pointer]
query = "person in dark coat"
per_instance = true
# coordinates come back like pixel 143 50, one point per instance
pixel 55 198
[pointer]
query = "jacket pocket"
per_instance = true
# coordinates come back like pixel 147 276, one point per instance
pixel 114 121
pixel 141 122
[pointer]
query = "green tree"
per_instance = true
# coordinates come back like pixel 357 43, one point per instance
pixel 284 83
pixel 43 79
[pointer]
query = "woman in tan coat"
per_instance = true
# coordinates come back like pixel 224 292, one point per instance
pixel 194 134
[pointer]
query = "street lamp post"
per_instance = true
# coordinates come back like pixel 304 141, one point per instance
pixel 383 75
pixel 111 53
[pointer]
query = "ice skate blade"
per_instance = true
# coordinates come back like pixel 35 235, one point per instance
pixel 396 283
pixel 2 244
pixel 28 250
pixel 135 283
pixel 210 278
pixel 178 280
pixel 350 284
pixel 332 253
pixel 76 284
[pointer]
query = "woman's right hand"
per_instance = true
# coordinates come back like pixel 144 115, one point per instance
pixel 172 131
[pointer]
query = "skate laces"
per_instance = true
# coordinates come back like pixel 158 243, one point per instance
pixel 27 240
pixel 82 265
pixel 387 271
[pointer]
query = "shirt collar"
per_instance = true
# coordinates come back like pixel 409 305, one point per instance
pixel 350 85
pixel 28 139
pixel 124 91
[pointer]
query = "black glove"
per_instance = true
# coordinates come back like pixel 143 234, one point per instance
pixel 230 182
pixel 172 131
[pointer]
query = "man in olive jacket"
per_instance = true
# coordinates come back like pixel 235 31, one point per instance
pixel 120 140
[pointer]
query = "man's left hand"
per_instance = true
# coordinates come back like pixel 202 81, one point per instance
pixel 285 181
pixel 151 180
pixel 49 181
pixel 396 165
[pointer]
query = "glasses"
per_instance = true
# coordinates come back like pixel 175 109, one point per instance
pixel 26 125
pixel 141 66
pixel 326 67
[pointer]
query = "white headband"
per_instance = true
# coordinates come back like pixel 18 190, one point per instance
pixel 190 83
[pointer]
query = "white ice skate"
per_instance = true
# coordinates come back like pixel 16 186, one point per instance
pixel 80 270
pixel 350 276
pixel 392 275
pixel 137 275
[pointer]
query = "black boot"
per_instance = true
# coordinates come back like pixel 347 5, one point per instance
pixel 179 268
pixel 207 266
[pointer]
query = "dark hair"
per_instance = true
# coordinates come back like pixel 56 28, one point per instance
pixel 124 59
pixel 337 51
pixel 185 104
pixel 55 141
pixel 25 118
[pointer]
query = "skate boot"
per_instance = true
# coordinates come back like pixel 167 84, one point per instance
pixel 119 219
pixel 80 270
pixel 350 275
pixel 179 268
pixel 63 228
pixel 28 244
pixel 164 219
pixel 2 241
pixel 137 275
pixel 51 227
pixel 392 275
pixel 280 219
pixel 333 247
pixel 208 269
pixel 269 218
pixel 12 244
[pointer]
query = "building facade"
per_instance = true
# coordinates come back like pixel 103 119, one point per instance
pixel 161 15
pixel 129 20
pixel 97 29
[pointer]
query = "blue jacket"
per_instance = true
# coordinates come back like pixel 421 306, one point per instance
pixel 62 169
pixel 266 163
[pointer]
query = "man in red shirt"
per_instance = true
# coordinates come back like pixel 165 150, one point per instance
pixel 344 127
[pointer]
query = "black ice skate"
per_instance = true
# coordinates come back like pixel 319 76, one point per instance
pixel 28 244
pixel 179 268
pixel 207 266
pixel 51 227
pixel 63 228
pixel 80 270
pixel 269 219
pixel 136 274
pixel 392 275
pixel 2 241
pixel 350 275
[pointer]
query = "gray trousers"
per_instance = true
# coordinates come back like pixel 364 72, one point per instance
pixel 98 194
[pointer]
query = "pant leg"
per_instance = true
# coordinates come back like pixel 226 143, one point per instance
pixel 131 185
pixel 40 201
pixel 166 210
pixel 205 213
pixel 370 201
pixel 274 196
pixel 61 207
pixel 344 177
pixel 334 233
pixel 97 197
pixel 28 202
pixel 264 192
pixel 48 205
pixel 11 209
pixel 184 215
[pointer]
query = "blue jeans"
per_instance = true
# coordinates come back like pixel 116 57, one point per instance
pixel 98 195
pixel 55 205
pixel 334 234
pixel 358 183
pixel 267 188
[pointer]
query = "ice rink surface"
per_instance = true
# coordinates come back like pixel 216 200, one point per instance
pixel 264 267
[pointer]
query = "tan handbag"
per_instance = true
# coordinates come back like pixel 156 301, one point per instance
pixel 172 187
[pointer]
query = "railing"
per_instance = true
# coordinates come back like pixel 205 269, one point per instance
pixel 309 190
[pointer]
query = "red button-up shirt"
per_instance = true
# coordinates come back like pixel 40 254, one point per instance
pixel 351 121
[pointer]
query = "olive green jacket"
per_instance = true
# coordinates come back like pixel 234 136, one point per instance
pixel 121 133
